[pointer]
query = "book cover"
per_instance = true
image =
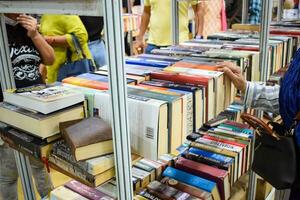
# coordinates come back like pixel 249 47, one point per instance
pixel 211 173
pixel 45 101
pixel 147 62
pixel 148 120
pixel 62 193
pixel 86 136
pixel 86 83
pixel 187 188
pixel 190 179
pixel 86 191
pixel 38 124
pixel 166 192
pixel 28 144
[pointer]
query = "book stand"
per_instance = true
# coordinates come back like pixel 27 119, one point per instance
pixel 111 10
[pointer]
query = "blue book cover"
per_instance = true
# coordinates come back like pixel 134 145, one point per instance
pixel 172 59
pixel 148 62
pixel 99 77
pixel 211 155
pixel 190 179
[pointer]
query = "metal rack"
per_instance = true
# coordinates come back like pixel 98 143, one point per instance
pixel 111 10
pixel 266 16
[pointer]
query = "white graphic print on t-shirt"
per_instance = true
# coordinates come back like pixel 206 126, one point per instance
pixel 25 61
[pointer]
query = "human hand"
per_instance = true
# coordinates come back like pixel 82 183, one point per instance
pixel 30 24
pixel 234 73
pixel 139 45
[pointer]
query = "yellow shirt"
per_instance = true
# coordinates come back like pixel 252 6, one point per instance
pixel 160 27
pixel 52 25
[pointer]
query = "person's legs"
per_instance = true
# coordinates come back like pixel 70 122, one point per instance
pixel 42 178
pixel 98 52
pixel 8 174
pixel 151 47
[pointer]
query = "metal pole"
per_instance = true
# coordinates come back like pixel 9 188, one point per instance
pixel 279 10
pixel 175 22
pixel 25 174
pixel 245 8
pixel 8 82
pixel 121 136
pixel 266 16
pixel 130 33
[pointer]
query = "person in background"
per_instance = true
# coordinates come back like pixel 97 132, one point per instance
pixel 277 99
pixel 211 17
pixel 157 16
pixel 57 30
pixel 28 49
pixel 94 27
pixel 254 11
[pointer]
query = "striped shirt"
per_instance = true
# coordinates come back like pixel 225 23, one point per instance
pixel 262 97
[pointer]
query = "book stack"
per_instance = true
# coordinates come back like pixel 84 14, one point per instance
pixel 33 117
pixel 86 151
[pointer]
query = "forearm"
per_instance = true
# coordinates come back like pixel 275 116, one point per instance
pixel 196 19
pixel 262 97
pixel 144 24
pixel 45 50
pixel 58 40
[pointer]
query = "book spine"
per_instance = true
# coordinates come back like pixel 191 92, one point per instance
pixel 21 145
pixel 70 168
pixel 86 191
pixel 61 150
pixel 190 179
pixel 205 160
pixel 148 195
pixel 212 155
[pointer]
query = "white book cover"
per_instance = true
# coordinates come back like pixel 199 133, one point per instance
pixel 45 101
pixel 143 122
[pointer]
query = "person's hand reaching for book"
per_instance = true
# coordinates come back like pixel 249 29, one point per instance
pixel 234 73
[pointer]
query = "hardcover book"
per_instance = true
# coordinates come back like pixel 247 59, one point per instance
pixel 205 171
pixel 166 192
pixel 199 193
pixel 86 191
pixel 37 124
pixel 89 138
pixel 148 120
pixel 193 180
pixel 46 100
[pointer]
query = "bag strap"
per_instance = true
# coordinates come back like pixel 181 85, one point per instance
pixel 256 123
pixel 77 45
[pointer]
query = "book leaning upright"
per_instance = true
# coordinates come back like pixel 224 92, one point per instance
pixel 148 123
pixel 45 101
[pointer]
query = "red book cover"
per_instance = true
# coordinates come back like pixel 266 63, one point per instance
pixel 86 191
pixel 285 32
pixel 207 67
pixel 237 124
pixel 86 83
pixel 181 78
pixel 219 176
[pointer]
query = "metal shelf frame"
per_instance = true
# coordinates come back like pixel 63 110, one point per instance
pixel 266 16
pixel 112 12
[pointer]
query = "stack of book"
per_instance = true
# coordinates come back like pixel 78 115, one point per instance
pixel 33 116
pixel 86 151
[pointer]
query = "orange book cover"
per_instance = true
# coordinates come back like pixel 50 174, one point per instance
pixel 86 83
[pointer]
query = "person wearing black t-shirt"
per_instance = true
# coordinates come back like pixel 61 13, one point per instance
pixel 28 49
pixel 94 27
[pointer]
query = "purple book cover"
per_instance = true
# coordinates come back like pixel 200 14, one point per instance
pixel 86 191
